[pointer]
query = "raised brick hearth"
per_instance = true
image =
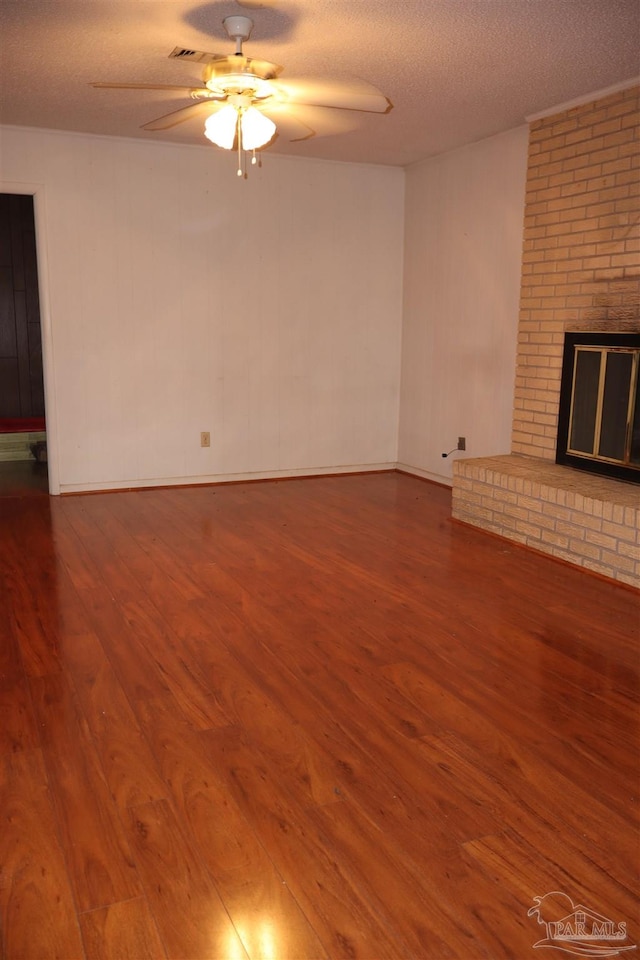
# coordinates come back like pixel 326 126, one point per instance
pixel 580 272
pixel 591 521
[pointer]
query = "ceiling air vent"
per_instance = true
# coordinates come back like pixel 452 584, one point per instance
pixel 182 53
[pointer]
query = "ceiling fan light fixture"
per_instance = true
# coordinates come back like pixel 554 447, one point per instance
pixel 251 126
pixel 257 129
pixel 221 126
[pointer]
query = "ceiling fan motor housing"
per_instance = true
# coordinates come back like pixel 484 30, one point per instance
pixel 237 76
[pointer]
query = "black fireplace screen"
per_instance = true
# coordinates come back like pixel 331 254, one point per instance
pixel 599 414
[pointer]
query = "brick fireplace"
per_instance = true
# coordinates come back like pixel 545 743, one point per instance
pixel 580 272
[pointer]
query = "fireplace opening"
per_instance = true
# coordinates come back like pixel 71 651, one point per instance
pixel 599 413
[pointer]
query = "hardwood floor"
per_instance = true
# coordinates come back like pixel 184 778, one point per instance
pixel 23 478
pixel 304 719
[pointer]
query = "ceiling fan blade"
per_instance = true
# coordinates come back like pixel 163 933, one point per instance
pixel 342 96
pixel 288 125
pixel 191 112
pixel 322 121
pixel 144 86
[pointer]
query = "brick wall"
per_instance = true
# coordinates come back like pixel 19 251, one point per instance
pixel 580 271
pixel 581 255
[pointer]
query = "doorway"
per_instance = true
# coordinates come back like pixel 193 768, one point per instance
pixel 23 436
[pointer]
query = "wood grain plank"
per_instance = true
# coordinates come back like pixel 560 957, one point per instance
pixel 100 864
pixel 324 886
pixel 18 729
pixel 31 578
pixel 186 905
pixel 266 915
pixel 129 766
pixel 37 912
pixel 11 666
pixel 372 760
pixel 153 655
pixel 475 713
pixel 420 892
pixel 208 812
pixel 546 801
pixel 121 931
pixel 36 632
pixel 514 861
pixel 131 526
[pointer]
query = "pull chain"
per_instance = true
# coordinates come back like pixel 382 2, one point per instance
pixel 240 162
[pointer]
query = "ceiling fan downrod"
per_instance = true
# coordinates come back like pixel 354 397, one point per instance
pixel 238 29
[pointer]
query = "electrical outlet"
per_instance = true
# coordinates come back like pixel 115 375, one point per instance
pixel 205 439
pixel 462 443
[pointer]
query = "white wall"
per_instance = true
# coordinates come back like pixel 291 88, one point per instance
pixel 181 299
pixel 463 248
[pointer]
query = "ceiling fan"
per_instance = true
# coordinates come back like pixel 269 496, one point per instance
pixel 244 97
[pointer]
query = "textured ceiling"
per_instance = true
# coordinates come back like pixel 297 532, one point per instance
pixel 455 70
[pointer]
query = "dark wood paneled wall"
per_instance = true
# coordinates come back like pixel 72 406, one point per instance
pixel 21 382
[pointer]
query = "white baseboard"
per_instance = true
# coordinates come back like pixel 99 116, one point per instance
pixel 223 478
